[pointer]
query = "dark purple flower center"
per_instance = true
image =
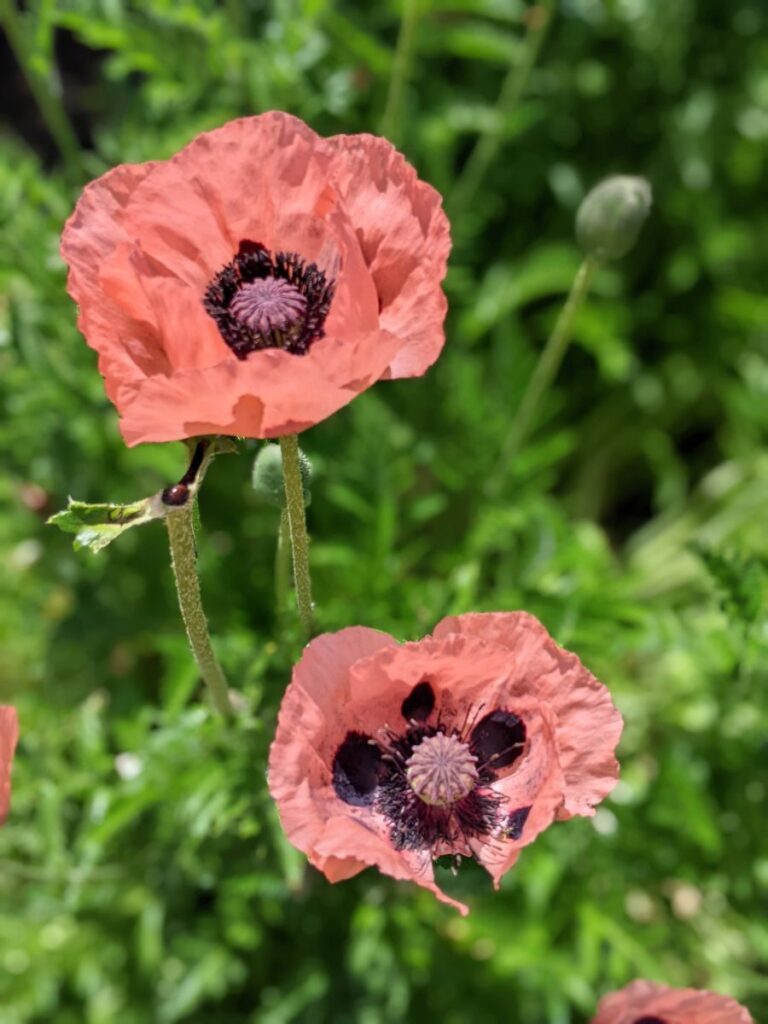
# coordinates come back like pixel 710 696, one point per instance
pixel 261 300
pixel 650 1020
pixel 432 783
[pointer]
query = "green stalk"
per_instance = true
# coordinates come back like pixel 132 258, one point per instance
pixel 390 121
pixel 49 103
pixel 297 526
pixel 181 535
pixel 282 564
pixel 487 145
pixel 550 359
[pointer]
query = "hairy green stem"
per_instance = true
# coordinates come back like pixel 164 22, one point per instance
pixel 390 121
pixel 550 359
pixel 487 145
pixel 48 101
pixel 181 535
pixel 282 564
pixel 297 526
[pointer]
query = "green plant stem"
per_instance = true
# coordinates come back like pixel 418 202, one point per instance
pixel 550 359
pixel 297 526
pixel 181 535
pixel 282 564
pixel 390 121
pixel 487 145
pixel 49 103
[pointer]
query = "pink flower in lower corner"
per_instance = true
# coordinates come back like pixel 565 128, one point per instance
pixel 9 735
pixel 469 743
pixel 645 1002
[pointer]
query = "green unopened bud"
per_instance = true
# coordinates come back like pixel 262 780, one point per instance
pixel 611 215
pixel 268 475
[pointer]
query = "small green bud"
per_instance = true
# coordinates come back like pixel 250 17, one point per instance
pixel 611 215
pixel 267 476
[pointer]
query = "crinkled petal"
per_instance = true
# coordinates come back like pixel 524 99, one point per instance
pixel 270 394
pixel 9 735
pixel 673 1005
pixel 405 238
pixel 534 789
pixel 249 179
pixel 345 833
pixel 128 344
pixel 588 724
pixel 310 728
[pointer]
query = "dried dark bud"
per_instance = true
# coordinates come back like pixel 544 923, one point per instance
pixel 176 495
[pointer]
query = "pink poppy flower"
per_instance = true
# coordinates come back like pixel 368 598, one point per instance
pixel 258 280
pixel 468 743
pixel 645 1002
pixel 9 735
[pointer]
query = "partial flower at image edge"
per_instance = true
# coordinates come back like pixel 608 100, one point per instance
pixel 647 1002
pixel 9 737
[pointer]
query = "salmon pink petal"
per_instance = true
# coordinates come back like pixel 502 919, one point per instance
pixel 270 395
pixel 246 179
pixel 589 725
pixel 309 730
pixel 9 735
pixel 405 238
pixel 128 345
pixel 533 794
pixel 646 1000
pixel 371 850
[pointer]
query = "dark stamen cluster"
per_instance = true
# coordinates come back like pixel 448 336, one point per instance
pixel 416 825
pixel 261 300
pixel 374 773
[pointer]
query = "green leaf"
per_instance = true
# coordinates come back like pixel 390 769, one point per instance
pixel 741 579
pixel 98 524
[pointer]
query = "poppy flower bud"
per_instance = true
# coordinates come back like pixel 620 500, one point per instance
pixel 611 215
pixel 267 476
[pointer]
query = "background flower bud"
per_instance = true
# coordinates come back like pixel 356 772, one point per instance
pixel 611 215
pixel 267 476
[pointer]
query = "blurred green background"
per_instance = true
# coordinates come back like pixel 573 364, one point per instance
pixel 143 875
